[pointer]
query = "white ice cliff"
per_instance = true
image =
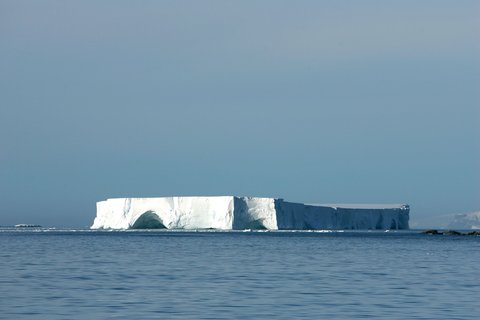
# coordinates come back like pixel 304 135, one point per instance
pixel 239 213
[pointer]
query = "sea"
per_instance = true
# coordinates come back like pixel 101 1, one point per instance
pixel 48 273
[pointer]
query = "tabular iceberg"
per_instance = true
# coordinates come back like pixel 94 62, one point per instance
pixel 237 213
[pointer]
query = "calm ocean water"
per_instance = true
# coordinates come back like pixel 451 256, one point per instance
pixel 82 274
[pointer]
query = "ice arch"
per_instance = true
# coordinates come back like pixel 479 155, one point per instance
pixel 148 220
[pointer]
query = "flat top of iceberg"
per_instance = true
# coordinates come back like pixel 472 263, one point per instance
pixel 359 205
pixel 184 197
pixel 331 205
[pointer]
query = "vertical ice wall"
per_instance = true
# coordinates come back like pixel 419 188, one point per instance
pixel 254 213
pixel 166 212
pixel 229 212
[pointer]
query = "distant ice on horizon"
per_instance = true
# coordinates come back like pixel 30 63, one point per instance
pixel 466 221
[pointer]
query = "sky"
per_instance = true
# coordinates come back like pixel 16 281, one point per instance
pixel 310 101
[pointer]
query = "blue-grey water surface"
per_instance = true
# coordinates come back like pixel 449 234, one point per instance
pixel 55 274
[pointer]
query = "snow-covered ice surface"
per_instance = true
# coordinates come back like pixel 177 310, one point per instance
pixel 238 213
pixel 466 221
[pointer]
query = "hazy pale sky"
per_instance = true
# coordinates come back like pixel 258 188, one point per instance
pixel 312 101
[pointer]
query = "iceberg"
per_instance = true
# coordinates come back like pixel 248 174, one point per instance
pixel 466 221
pixel 240 213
